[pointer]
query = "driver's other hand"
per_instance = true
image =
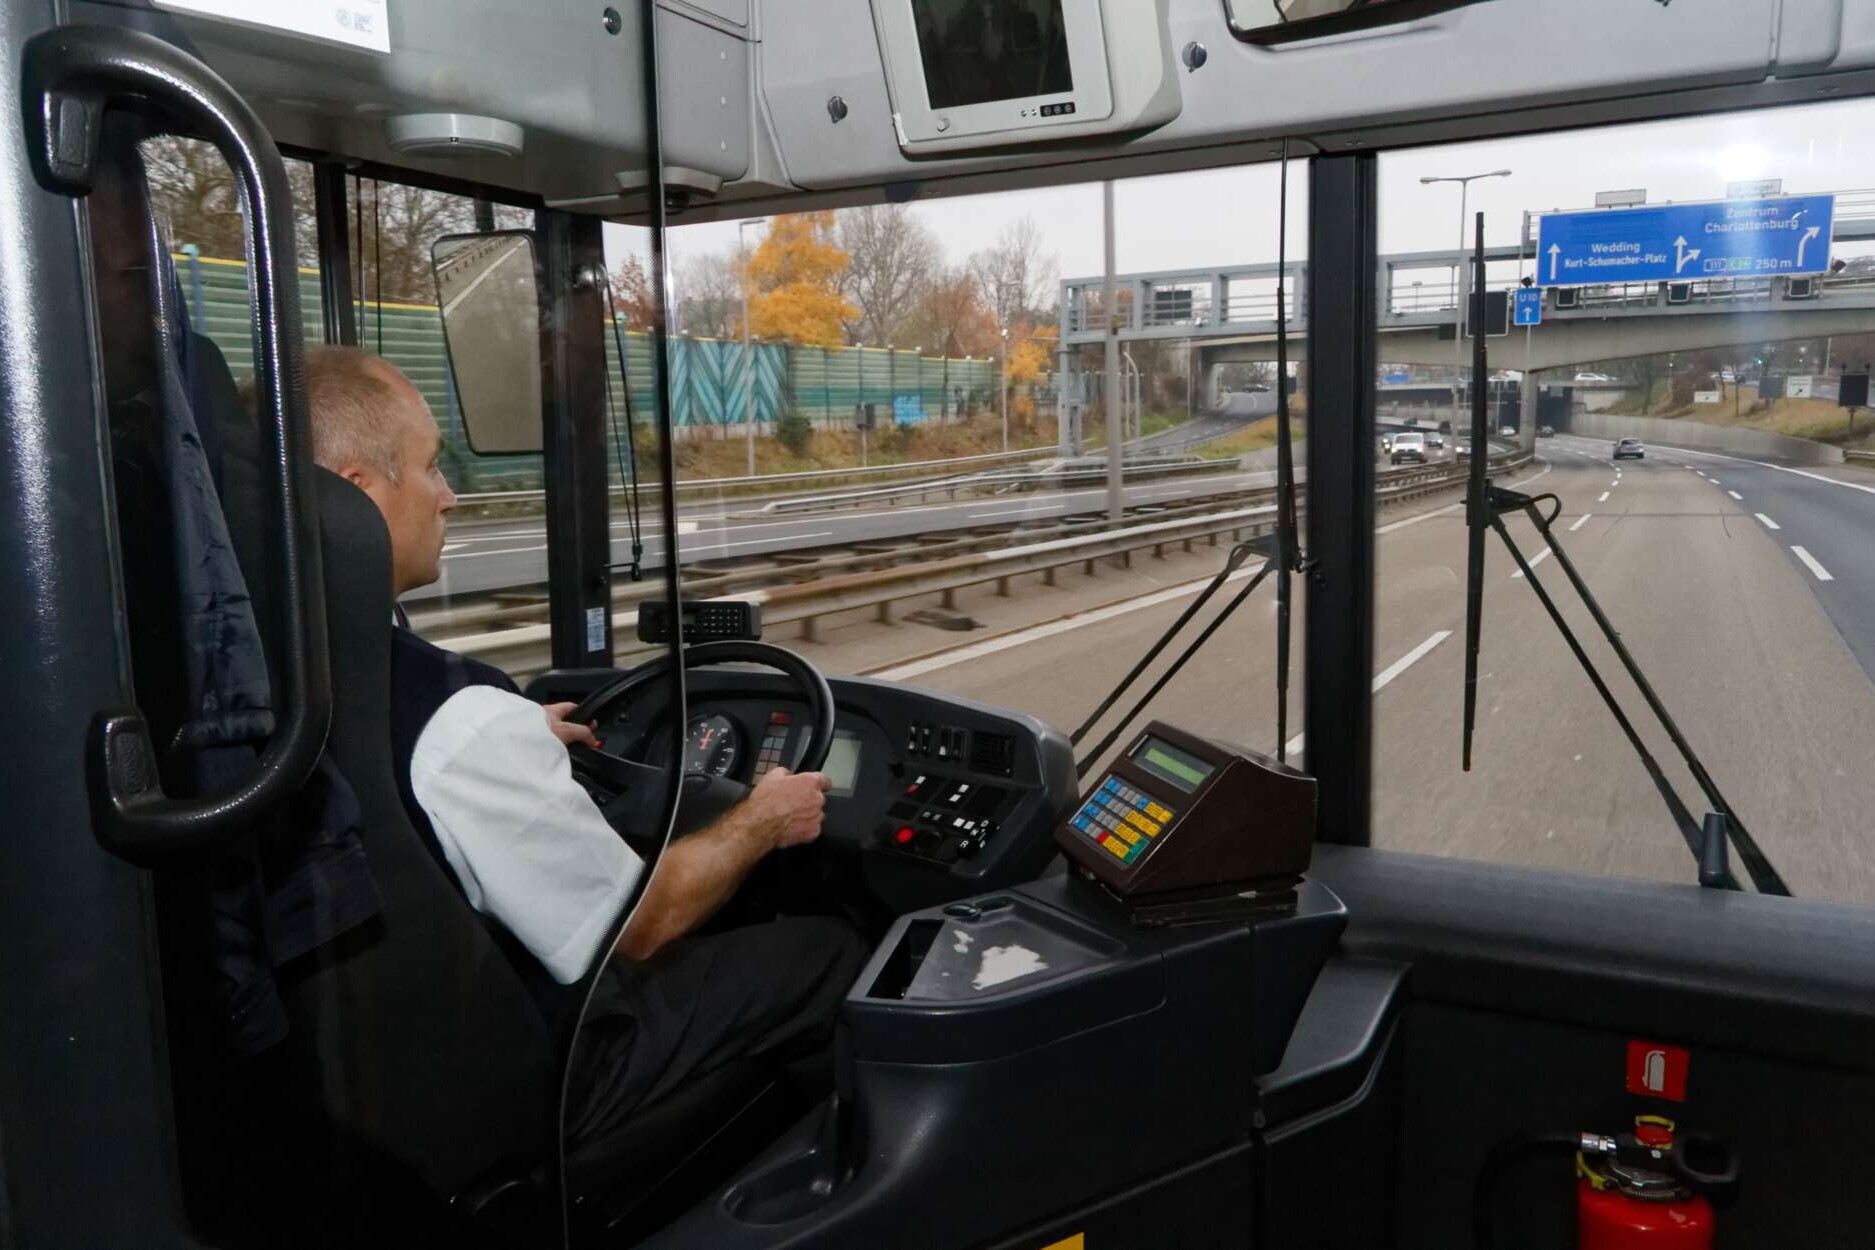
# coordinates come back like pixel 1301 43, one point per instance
pixel 789 806
pixel 569 732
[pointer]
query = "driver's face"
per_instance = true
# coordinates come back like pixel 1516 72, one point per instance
pixel 416 503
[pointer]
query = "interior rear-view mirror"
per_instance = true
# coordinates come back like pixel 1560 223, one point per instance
pixel 488 289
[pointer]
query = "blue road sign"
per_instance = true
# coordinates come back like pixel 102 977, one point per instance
pixel 1787 234
pixel 1529 310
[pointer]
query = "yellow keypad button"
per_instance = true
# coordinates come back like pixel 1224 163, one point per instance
pixel 1118 847
pixel 1158 813
pixel 1136 820
pixel 1128 834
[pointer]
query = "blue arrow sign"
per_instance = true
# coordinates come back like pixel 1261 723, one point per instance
pixel 1787 234
pixel 1529 308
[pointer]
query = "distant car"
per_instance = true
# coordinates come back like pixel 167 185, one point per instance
pixel 1545 431
pixel 1508 431
pixel 1726 375
pixel 1435 440
pixel 1630 447
pixel 1409 447
pixel 1593 377
pixel 1386 444
pixel 1463 449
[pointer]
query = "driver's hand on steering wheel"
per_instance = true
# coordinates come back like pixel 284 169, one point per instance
pixel 789 806
pixel 569 732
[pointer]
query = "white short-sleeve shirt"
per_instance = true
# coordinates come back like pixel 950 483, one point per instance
pixel 528 845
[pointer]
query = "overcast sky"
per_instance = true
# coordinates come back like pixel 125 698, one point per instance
pixel 1228 217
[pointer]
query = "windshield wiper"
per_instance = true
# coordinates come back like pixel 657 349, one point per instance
pixel 1286 560
pixel 1485 507
pixel 625 450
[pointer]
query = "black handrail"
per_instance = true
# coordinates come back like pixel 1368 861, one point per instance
pixel 70 78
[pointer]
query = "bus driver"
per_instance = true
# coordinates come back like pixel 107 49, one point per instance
pixel 485 776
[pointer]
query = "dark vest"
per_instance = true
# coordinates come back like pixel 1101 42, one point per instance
pixel 423 678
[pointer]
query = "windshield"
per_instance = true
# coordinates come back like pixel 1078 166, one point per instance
pixel 1729 558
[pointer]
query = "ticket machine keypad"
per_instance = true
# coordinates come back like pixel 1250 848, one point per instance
pixel 1122 820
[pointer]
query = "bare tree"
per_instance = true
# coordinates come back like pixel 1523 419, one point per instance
pixel 709 295
pixel 951 319
pixel 1017 275
pixel 892 258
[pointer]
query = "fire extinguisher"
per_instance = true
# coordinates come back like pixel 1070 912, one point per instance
pixel 1652 1189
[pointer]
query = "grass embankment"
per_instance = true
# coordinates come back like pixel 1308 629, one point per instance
pixel 709 457
pixel 1253 437
pixel 1818 419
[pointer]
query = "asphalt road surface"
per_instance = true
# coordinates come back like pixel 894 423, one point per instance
pixel 1761 651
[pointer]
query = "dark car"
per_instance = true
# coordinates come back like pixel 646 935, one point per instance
pixel 1630 447
pixel 1410 447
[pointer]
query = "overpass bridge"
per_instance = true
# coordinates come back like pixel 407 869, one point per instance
pixel 1229 314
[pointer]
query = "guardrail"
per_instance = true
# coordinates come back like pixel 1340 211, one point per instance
pixel 821 590
pixel 990 481
pixel 1861 457
pixel 730 485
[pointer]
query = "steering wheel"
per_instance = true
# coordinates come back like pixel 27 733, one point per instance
pixel 630 793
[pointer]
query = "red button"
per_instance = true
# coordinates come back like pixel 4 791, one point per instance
pixel 780 718
pixel 905 834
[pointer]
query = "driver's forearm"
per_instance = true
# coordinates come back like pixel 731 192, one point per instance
pixel 695 876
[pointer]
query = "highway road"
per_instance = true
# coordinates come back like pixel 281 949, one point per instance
pixel 1758 639
pixel 486 556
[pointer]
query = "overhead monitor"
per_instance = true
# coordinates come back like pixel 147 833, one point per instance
pixel 982 73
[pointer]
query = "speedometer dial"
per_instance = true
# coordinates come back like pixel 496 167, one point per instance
pixel 714 746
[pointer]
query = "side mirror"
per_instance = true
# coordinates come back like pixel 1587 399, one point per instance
pixel 488 287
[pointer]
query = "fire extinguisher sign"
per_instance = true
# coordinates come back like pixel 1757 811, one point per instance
pixel 1657 1071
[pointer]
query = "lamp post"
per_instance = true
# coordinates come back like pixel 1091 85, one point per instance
pixel 1002 322
pixel 748 353
pixel 1463 277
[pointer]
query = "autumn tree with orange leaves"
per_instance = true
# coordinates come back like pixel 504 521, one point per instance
pixel 794 278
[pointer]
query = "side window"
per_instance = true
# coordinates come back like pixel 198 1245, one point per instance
pixel 198 209
pixel 1677 351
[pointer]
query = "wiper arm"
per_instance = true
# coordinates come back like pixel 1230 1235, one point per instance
pixel 625 450
pixel 1485 507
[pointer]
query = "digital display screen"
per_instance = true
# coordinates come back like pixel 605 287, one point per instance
pixel 842 766
pixel 979 51
pixel 1165 761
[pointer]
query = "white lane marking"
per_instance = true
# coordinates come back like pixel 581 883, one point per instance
pixel 1604 497
pixel 1025 510
pixel 1822 574
pixel 1763 464
pixel 1385 677
pixel 1701 472
pixel 1734 494
pixel 1535 560
pixel 500 551
pixel 449 547
pixel 482 277
pixel 1769 523
pixel 1035 633
pixel 1614 483
pixel 1715 481
pixel 1581 521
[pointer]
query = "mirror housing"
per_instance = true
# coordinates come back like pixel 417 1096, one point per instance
pixel 488 292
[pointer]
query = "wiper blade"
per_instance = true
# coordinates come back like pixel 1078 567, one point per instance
pixel 1485 508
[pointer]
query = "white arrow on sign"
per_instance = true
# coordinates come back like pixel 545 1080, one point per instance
pixel 1804 242
pixel 1683 254
pixel 1555 250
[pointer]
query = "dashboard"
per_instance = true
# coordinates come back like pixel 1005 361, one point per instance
pixel 934 798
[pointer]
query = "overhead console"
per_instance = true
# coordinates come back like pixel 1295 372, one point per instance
pixel 962 75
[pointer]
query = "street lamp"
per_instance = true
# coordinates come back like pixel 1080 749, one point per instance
pixel 1002 321
pixel 1462 275
pixel 748 355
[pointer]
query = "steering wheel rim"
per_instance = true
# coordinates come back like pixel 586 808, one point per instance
pixel 809 756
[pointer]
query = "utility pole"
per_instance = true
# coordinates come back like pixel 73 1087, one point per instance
pixel 1462 284
pixel 1116 491
pixel 748 352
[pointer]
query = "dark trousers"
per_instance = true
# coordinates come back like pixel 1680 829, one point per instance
pixel 768 992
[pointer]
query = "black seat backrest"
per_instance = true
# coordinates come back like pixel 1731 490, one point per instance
pixel 419 1038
